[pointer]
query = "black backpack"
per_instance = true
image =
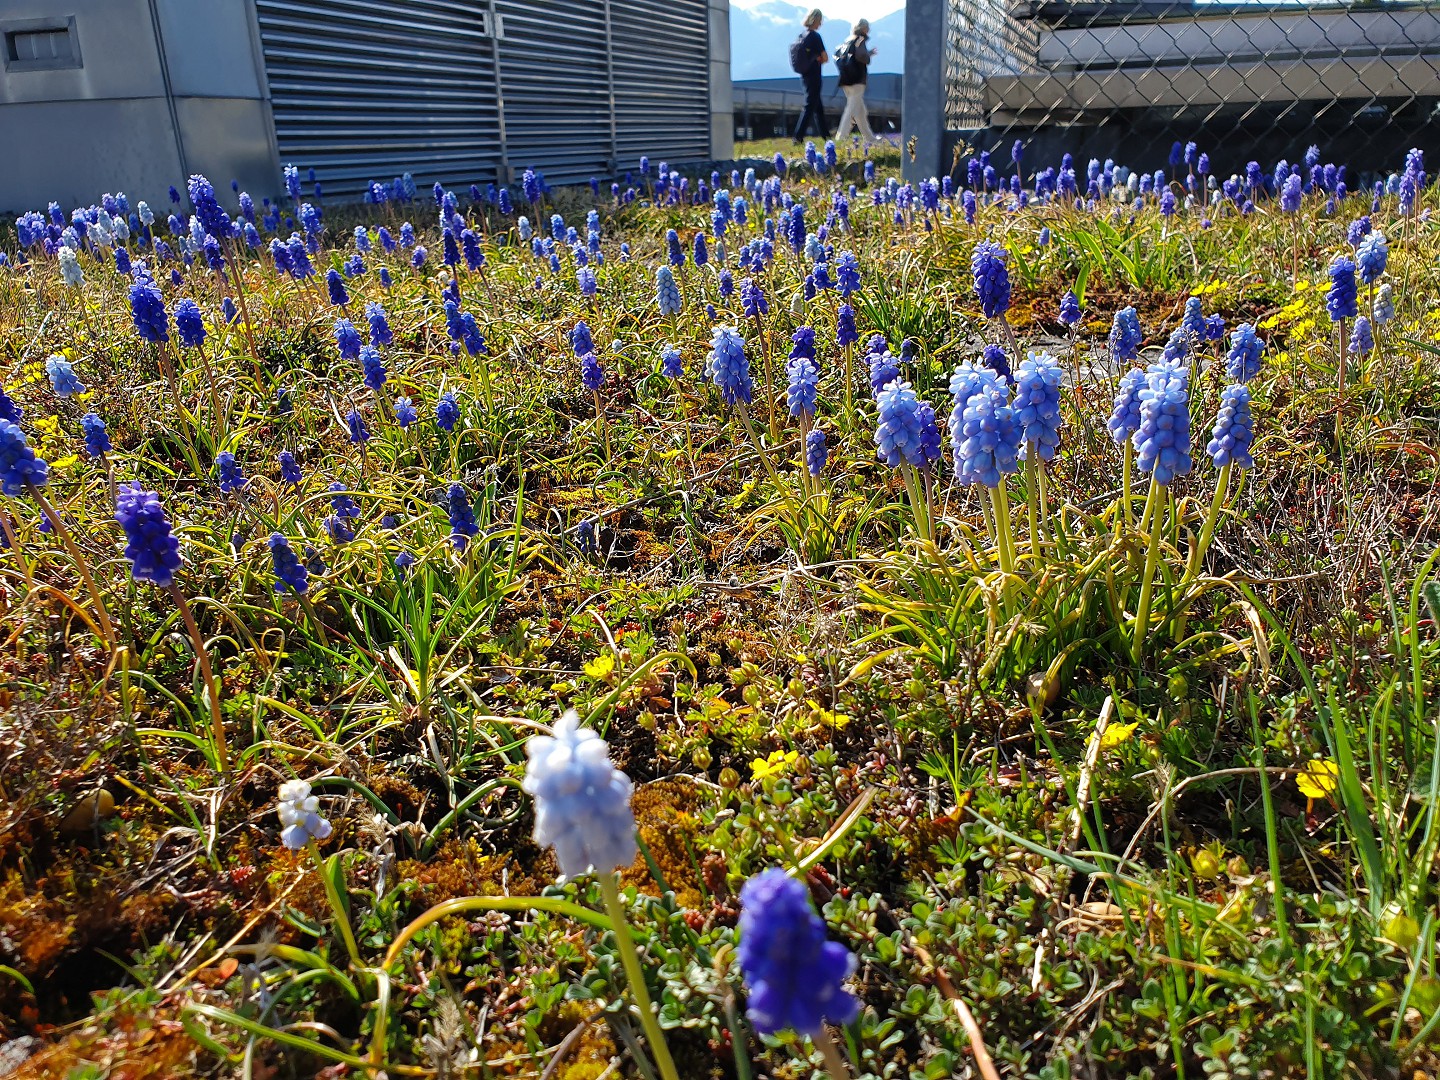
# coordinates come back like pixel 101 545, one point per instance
pixel 800 59
pixel 845 63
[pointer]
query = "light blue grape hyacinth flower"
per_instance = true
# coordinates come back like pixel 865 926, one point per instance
pixel 582 802
pixel 1037 403
pixel 1234 430
pixel 667 292
pixel 1162 441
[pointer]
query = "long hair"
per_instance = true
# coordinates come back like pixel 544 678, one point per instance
pixel 814 19
pixel 861 28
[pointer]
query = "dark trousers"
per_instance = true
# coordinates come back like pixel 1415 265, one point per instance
pixel 814 107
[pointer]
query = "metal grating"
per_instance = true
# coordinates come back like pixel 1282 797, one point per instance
pixel 554 76
pixel 363 90
pixel 1251 80
pixel 662 69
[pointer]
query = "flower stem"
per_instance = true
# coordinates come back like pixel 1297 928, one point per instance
pixel 315 623
pixel 107 631
pixel 1032 496
pixel 630 958
pixel 755 439
pixel 1207 531
pixel 337 905
pixel 834 1061
pixel 1152 556
pixel 217 725
pixel 1125 482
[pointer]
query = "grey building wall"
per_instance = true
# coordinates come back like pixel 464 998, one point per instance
pixel 153 90
pixel 458 91
pixel 722 100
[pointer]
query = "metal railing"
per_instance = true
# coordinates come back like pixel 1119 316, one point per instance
pixel 1246 80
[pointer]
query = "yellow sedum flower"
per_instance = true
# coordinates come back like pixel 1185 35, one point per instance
pixel 602 667
pixel 1318 779
pixel 777 764
pixel 1117 735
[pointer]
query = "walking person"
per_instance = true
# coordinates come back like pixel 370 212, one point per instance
pixel 852 60
pixel 808 58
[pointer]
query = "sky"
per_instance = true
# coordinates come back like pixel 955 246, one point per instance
pixel 842 10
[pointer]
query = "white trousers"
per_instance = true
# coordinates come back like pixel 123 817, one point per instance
pixel 855 112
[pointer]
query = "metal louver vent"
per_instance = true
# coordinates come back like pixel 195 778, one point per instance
pixel 364 91
pixel 662 65
pixel 556 84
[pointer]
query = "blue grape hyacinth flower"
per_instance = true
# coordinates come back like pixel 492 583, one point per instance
pixel 1362 338
pixel 591 373
pixel 1341 300
pixel 582 802
pixel 671 365
pixel 374 367
pixel 97 439
pixel 347 339
pixel 290 572
pixel 666 291
pixel 62 377
pixel 795 976
pixel 462 516
pixel 990 437
pixel 151 547
pixel 1070 308
pixel 729 367
pixel 816 452
pixel 1371 257
pixel 1126 335
pixel 18 464
pixel 189 324
pixel 447 412
pixel 380 332
pixel 290 473
pixel 229 476
pixel 1243 362
pixel 899 431
pixel 405 413
pixel 359 433
pixel 804 386
pixel 1125 415
pixel 884 369
pixel 992 278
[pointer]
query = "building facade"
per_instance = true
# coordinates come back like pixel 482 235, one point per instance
pixel 134 95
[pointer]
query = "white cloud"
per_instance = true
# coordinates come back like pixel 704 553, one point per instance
pixel 845 11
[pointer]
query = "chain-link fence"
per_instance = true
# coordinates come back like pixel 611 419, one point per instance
pixel 1128 78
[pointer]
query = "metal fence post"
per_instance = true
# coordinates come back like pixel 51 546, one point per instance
pixel 922 110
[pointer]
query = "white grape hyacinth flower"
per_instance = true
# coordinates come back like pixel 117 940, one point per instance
pixel 299 814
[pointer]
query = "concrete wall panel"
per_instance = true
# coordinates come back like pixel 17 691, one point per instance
pixel 74 151
pixel 207 47
pixel 117 52
pixel 228 139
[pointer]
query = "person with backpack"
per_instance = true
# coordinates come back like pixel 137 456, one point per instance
pixel 807 59
pixel 852 60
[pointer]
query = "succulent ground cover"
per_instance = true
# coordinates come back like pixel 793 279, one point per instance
pixel 747 624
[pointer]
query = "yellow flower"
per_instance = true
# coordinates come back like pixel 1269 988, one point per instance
pixel 775 765
pixel 1117 735
pixel 601 667
pixel 1318 778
